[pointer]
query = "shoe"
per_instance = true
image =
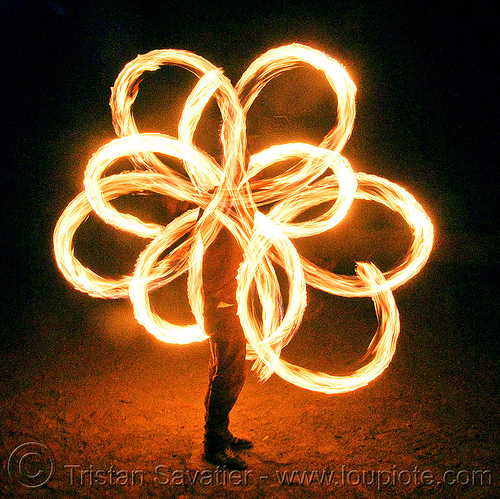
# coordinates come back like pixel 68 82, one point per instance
pixel 219 450
pixel 236 443
pixel 227 458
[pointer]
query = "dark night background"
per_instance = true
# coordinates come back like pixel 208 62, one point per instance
pixel 427 118
pixel 427 111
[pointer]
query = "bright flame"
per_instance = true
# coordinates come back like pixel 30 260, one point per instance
pixel 320 175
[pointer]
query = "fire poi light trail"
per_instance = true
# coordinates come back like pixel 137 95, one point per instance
pixel 229 193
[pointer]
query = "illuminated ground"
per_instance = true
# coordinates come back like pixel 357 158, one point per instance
pixel 100 392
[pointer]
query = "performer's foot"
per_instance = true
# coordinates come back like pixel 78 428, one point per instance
pixel 236 443
pixel 226 457
pixel 219 450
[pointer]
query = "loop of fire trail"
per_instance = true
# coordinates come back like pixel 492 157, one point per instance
pixel 230 194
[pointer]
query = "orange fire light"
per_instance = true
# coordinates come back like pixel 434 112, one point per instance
pixel 321 174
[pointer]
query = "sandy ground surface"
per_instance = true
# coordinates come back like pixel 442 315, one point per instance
pixel 121 414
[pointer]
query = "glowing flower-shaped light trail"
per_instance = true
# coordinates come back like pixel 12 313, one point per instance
pixel 230 194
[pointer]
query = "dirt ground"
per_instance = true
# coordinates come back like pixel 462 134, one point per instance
pixel 121 414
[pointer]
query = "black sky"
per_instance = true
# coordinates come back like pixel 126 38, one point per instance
pixel 428 101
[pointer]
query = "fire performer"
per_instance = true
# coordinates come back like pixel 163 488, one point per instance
pixel 228 350
pixel 221 261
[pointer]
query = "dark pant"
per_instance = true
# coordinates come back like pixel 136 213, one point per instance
pixel 227 365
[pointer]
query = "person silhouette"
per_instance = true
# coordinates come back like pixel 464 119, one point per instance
pixel 221 260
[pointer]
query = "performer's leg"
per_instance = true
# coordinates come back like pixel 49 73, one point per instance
pixel 227 366
pixel 226 379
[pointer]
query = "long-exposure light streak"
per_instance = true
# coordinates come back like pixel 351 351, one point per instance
pixel 230 193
